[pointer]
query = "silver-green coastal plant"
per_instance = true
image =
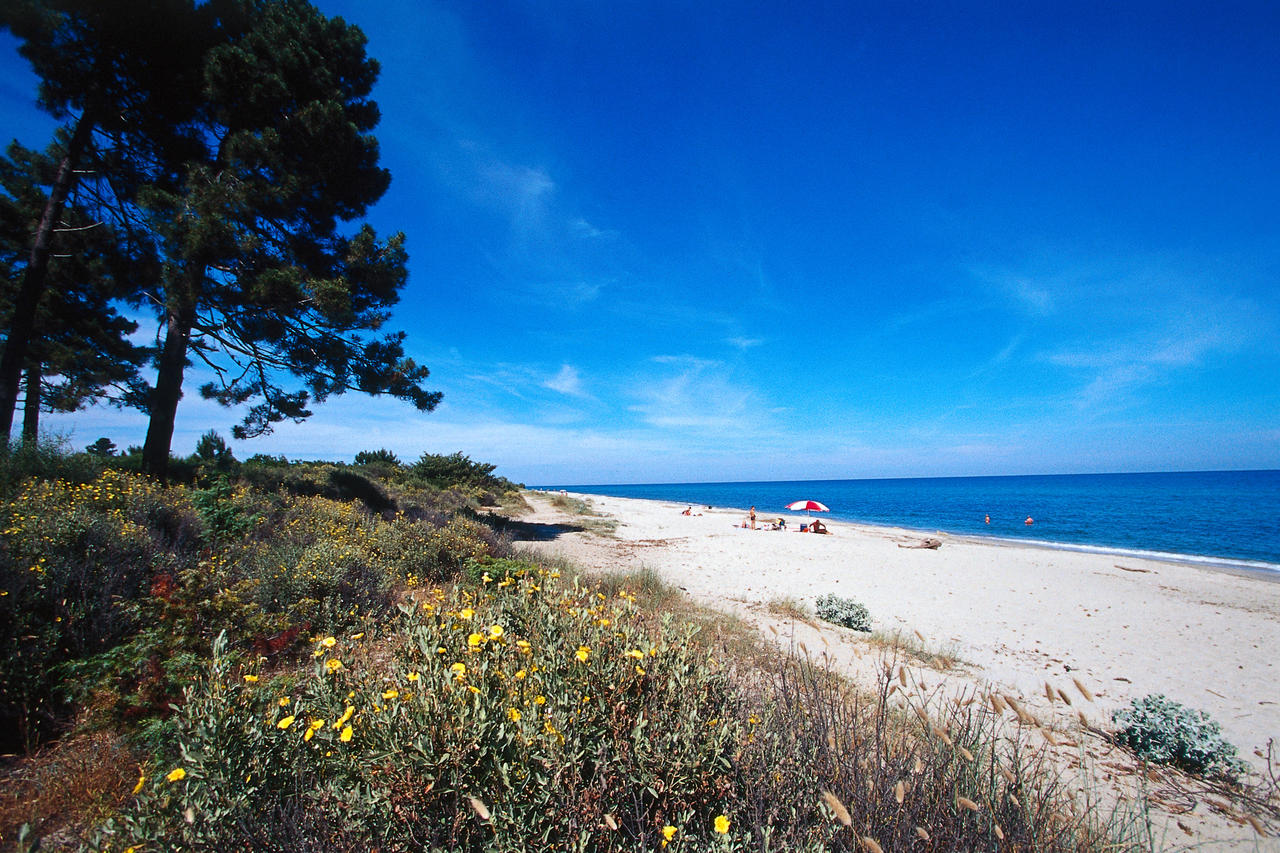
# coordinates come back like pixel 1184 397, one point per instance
pixel 843 611
pixel 1161 730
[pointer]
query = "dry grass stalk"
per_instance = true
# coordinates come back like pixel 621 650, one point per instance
pixel 1255 823
pixel 922 833
pixel 1048 693
pixel 967 803
pixel 968 756
pixel 943 736
pixel 480 808
pixel 902 675
pixel 998 831
pixel 870 845
pixel 1062 694
pixel 610 822
pixel 900 792
pixel 997 704
pixel 837 808
pixel 1084 691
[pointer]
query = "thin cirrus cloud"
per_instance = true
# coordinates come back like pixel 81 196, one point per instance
pixel 567 382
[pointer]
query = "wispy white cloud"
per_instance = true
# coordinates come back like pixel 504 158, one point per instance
pixel 567 381
pixel 744 343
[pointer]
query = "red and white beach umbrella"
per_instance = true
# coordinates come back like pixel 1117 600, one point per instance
pixel 808 506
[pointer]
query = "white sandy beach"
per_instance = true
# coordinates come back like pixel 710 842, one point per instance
pixel 1017 616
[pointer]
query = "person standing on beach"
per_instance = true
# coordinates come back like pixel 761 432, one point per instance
pixel 753 518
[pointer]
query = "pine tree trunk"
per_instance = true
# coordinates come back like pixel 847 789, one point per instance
pixel 31 408
pixel 22 324
pixel 168 390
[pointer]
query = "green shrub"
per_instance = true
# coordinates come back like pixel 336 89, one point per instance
pixel 557 710
pixel 1165 732
pixel 77 556
pixel 843 611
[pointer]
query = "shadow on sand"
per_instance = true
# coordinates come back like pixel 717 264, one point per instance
pixel 525 531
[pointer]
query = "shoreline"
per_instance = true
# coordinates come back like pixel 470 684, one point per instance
pixel 1019 615
pixel 1259 569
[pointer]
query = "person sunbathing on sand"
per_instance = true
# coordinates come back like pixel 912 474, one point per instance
pixel 818 527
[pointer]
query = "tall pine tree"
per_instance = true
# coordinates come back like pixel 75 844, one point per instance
pixel 259 282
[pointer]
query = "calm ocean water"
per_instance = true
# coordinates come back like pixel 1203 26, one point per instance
pixel 1223 517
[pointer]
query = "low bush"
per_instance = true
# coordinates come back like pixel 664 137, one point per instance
pixel 1165 732
pixel 843 611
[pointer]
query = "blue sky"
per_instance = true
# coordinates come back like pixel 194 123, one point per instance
pixel 661 241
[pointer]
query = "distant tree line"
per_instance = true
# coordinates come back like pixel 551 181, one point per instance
pixel 211 169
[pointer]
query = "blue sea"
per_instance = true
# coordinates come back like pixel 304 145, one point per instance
pixel 1225 518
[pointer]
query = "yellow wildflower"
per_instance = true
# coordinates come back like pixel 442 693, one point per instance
pixel 251 678
pixel 316 725
pixel 640 670
pixel 636 654
pixel 473 688
pixel 309 734
pixel 520 675
pixel 485 578
pixel 359 636
pixel 346 735
pixel 413 676
pixel 474 640
pixel 176 775
pixel 285 723
pixel 390 694
pixel 284 700
pixel 459 670
pixel 328 642
pixel 523 645
pixel 141 780
pixel 467 613
pixel 722 824
pixel 514 714
pixel 540 700
pixel 668 833
pixel 583 653
pixel 495 632
pixel 333 664
pixel 346 715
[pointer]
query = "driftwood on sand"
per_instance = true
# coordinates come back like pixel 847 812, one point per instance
pixel 930 543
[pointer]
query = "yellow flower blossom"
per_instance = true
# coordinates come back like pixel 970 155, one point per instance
pixel 669 832
pixel 523 645
pixel 308 734
pixel 583 653
pixel 466 613
pixel 459 670
pixel 316 725
pixel 485 578
pixel 176 775
pixel 474 640
pixel 390 694
pixel 722 824
pixel 359 636
pixel 520 675
pixel 413 676
pixel 635 654
pixel 333 665
pixel 473 688
pixel 640 670
pixel 251 678
pixel 285 723
pixel 346 715
pixel 540 700
pixel 141 781
pixel 495 632
pixel 329 642
pixel 284 700
pixel 513 714
pixel 346 735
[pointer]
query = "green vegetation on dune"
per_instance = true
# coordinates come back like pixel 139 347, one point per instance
pixel 263 660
